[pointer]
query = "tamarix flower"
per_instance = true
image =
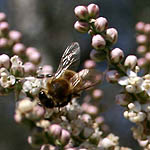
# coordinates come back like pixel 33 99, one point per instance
pixel 17 68
pixel 6 80
pixel 132 82
pixel 32 85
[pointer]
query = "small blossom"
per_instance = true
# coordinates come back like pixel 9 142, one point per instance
pixel 97 94
pixel 88 64
pixel 55 130
pixel 3 42
pixel 4 61
pixel 109 141
pixel 81 26
pixel 29 68
pixel 47 69
pixel 140 26
pixel 141 39
pixel 93 10
pixel 141 49
pixel 25 105
pixel 132 82
pixel 15 36
pixel 130 61
pixel 6 80
pixel 81 12
pixel 142 62
pixel 32 85
pixel 17 68
pixel 117 55
pixel 35 58
pixel 19 49
pixel 2 16
pixel 112 35
pixel 98 42
pixel 4 27
pixel 65 137
pixel 147 28
pixel 101 24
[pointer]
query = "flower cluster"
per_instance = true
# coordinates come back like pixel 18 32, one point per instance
pixel 142 38
pixel 10 42
pixel 136 94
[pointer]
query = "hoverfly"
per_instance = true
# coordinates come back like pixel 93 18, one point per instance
pixel 66 84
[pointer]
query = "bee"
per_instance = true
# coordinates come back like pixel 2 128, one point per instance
pixel 66 84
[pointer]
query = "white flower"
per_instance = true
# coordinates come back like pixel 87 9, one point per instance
pixel 146 86
pixel 132 82
pixel 6 80
pixel 17 66
pixel 32 85
pixel 109 141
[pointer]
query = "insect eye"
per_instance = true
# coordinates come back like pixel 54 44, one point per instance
pixel 47 102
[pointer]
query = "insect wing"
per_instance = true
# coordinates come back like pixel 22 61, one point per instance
pixel 86 78
pixel 70 58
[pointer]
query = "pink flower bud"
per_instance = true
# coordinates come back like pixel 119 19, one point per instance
pixel 140 26
pixel 4 27
pixel 81 12
pixel 4 61
pixel 130 61
pixel 141 39
pixel 90 109
pixel 2 16
pixel 47 69
pixel 88 64
pixel 101 24
pixel 81 26
pixel 112 35
pixel 97 94
pixel 15 36
pixel 147 28
pixel 19 49
pixel 55 130
pixel 37 113
pixel 98 42
pixel 3 42
pixel 65 137
pixel 141 49
pixel 99 120
pixel 18 117
pixel 35 58
pixel 147 56
pixel 93 10
pixel 112 76
pixel 97 56
pixel 142 62
pixel 30 51
pixel 116 55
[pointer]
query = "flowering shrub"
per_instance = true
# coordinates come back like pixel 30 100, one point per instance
pixel 78 126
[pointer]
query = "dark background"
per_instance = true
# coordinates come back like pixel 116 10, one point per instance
pixel 48 26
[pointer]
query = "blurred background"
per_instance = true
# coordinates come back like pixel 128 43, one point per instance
pixel 48 26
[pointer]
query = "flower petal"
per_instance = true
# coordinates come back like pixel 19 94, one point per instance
pixel 123 80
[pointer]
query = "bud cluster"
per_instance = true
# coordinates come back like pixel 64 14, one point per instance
pixel 143 40
pixel 10 42
pixel 103 37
